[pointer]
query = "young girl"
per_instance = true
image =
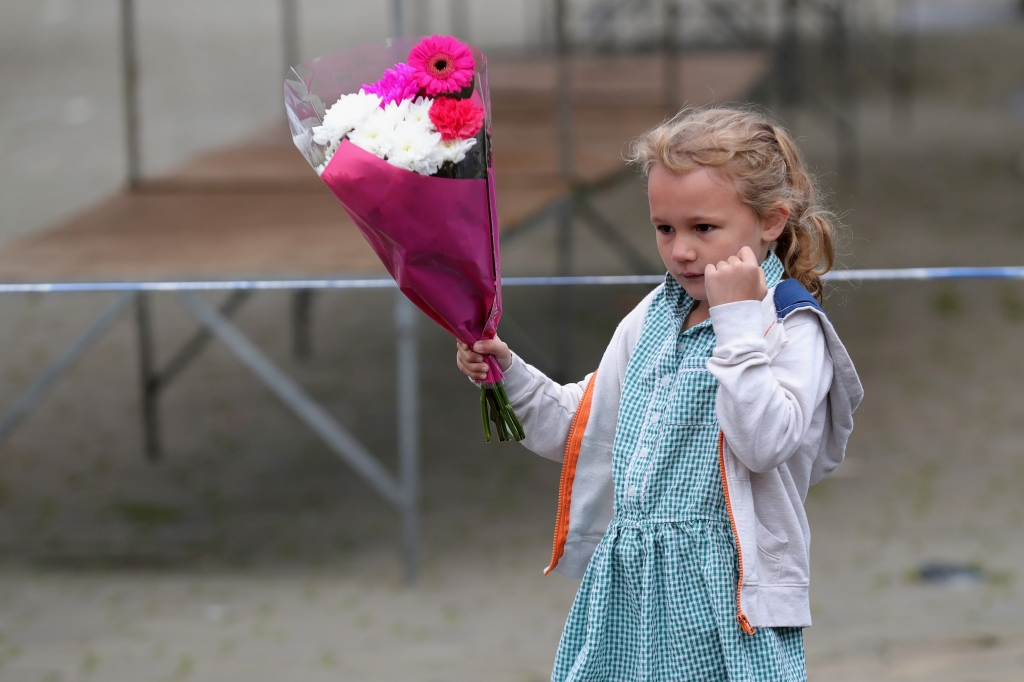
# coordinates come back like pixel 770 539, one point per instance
pixel 721 398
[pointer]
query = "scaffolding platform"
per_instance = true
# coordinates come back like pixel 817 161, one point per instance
pixel 257 210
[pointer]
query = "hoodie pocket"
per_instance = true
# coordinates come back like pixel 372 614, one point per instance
pixel 771 552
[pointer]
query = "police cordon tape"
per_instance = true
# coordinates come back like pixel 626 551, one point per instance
pixel 1013 272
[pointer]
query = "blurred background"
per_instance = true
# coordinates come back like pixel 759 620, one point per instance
pixel 197 530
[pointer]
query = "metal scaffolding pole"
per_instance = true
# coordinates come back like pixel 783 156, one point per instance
pixel 408 406
pixel 397 18
pixel 565 138
pixel 129 93
pixel 290 33
pixel 788 55
pixel 154 380
pixel 846 100
pixel 567 170
pixel 302 323
pixel 147 373
pixel 904 51
pixel 670 49
pixel 459 18
pixel 407 364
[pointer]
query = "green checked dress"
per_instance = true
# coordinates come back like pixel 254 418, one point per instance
pixel 658 600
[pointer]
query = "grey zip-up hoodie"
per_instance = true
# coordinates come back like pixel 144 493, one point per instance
pixel 787 392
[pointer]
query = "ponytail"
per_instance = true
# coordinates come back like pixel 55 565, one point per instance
pixel 806 246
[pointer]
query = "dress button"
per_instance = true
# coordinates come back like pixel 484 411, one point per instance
pixel 655 418
pixel 631 491
pixel 666 380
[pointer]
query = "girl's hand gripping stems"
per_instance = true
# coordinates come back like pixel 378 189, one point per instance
pixel 494 403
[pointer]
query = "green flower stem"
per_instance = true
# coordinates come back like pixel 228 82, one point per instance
pixel 513 419
pixel 496 407
pixel 496 417
pixel 483 415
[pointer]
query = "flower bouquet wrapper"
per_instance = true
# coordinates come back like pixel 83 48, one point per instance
pixel 425 204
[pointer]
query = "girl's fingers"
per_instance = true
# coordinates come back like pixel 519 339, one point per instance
pixel 747 255
pixel 472 370
pixel 489 346
pixel 472 360
pixel 478 373
pixel 466 355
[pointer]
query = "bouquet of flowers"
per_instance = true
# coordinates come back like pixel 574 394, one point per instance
pixel 400 133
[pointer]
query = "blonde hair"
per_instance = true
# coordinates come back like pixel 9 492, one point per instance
pixel 767 168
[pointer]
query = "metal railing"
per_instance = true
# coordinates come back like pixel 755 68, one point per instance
pixel 400 490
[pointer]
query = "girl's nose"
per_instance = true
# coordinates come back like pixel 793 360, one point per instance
pixel 683 251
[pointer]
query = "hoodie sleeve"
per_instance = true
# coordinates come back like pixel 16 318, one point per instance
pixel 765 405
pixel 545 407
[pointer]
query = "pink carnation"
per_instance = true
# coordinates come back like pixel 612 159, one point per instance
pixel 397 84
pixel 456 119
pixel 442 64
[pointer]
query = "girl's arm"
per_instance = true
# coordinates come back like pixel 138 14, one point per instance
pixel 765 406
pixel 545 407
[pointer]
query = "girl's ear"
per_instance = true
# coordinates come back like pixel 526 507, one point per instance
pixel 775 223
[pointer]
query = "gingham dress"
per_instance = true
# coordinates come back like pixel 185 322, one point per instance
pixel 658 600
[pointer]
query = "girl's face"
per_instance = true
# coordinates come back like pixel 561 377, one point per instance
pixel 700 220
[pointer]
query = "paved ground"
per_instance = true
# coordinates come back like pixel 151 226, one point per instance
pixel 250 553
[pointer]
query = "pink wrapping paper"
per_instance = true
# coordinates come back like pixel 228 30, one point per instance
pixel 436 236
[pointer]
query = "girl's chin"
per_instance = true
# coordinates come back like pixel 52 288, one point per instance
pixel 696 289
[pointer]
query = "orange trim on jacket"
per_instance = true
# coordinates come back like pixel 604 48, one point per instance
pixel 572 455
pixel 740 616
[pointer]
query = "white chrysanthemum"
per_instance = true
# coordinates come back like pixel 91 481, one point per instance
pixel 344 116
pixel 375 134
pixel 455 150
pixel 419 113
pixel 395 112
pixel 415 148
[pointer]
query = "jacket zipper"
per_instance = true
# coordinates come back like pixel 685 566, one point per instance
pixel 572 453
pixel 740 616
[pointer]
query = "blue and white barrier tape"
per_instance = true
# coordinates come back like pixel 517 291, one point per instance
pixel 1016 272
pixel 1013 272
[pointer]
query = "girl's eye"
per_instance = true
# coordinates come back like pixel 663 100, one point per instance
pixel 704 227
pixel 665 229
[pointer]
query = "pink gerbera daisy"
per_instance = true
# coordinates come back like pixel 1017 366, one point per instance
pixel 397 84
pixel 442 64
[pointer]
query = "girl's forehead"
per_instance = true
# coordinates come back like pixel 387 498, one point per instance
pixel 702 189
